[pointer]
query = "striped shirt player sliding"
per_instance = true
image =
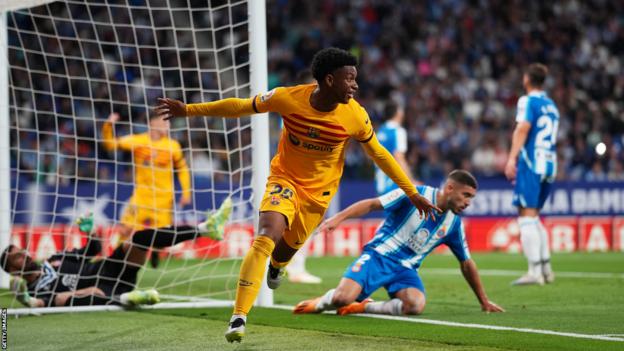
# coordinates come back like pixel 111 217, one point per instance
pixel 394 255
pixel 532 167
pixel 319 119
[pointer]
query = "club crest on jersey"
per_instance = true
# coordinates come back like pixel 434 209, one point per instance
pixel 293 139
pixel 266 96
pixel 441 232
pixel 314 133
pixel 275 200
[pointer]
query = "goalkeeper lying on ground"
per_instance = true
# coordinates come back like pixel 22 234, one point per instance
pixel 70 278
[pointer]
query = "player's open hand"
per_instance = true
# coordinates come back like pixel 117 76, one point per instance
pixel 425 208
pixel 113 117
pixel 490 306
pixel 85 223
pixel 169 108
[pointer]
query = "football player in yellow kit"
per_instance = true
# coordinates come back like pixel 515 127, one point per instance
pixel 319 119
pixel 154 156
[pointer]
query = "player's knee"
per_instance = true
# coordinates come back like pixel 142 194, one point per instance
pixel 271 230
pixel 270 234
pixel 413 307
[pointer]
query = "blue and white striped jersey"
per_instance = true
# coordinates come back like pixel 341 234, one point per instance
pixel 394 138
pixel 408 239
pixel 539 151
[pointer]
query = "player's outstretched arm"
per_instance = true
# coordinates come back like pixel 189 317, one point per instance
pixel 18 287
pixel 356 210
pixel 108 139
pixel 231 107
pixel 402 161
pixel 471 274
pixel 388 164
pixel 184 177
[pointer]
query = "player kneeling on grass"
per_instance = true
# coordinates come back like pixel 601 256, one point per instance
pixel 72 278
pixel 392 258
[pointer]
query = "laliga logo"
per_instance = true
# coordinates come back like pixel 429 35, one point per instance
pixel 266 96
pixel 506 237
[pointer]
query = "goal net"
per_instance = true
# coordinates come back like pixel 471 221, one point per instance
pixel 72 64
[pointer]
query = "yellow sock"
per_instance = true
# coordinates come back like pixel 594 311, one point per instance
pixel 251 274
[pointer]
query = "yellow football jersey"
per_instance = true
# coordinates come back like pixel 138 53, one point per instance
pixel 154 161
pixel 311 150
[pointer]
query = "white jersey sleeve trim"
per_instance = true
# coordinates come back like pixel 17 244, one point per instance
pixel 401 140
pixel 391 197
pixel 523 109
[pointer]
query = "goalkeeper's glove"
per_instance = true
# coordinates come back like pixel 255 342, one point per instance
pixel 85 223
pixel 19 288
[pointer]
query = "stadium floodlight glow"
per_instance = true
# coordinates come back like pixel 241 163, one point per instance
pixel 72 63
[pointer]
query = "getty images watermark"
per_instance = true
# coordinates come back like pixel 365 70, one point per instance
pixel 4 328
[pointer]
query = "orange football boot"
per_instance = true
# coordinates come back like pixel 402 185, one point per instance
pixel 307 306
pixel 355 307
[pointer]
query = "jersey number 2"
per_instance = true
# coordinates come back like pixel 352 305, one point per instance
pixel 547 136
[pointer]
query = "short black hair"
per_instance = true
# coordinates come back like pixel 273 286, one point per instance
pixel 4 258
pixel 390 109
pixel 537 73
pixel 328 60
pixel 464 177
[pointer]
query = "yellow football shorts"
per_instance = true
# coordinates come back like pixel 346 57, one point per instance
pixel 302 214
pixel 139 216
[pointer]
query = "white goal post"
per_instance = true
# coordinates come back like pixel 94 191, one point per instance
pixel 215 71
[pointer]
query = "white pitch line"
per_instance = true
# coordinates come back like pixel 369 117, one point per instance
pixel 513 273
pixel 185 298
pixel 478 326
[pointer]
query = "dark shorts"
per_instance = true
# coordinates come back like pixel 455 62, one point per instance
pixel 113 275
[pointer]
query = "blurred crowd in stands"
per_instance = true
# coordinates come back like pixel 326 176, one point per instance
pixel 456 66
pixel 73 63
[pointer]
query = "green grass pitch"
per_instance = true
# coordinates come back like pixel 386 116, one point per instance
pixel 575 304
